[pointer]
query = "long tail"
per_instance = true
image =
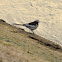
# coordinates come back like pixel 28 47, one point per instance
pixel 17 24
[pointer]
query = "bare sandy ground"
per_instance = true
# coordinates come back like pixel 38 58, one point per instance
pixel 49 12
pixel 17 45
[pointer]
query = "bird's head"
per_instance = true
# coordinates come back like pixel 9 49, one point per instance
pixel 37 21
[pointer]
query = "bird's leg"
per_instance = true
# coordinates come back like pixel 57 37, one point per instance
pixel 32 31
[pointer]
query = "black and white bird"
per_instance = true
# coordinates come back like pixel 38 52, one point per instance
pixel 32 25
